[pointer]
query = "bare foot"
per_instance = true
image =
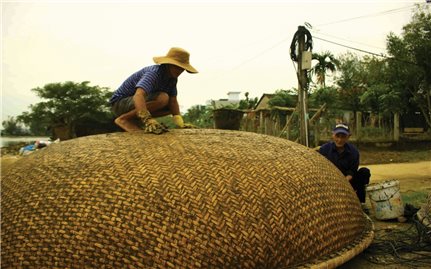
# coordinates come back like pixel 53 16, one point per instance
pixel 126 125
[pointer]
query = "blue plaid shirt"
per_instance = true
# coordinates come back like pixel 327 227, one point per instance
pixel 154 78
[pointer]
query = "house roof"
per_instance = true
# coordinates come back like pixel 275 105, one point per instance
pixel 263 101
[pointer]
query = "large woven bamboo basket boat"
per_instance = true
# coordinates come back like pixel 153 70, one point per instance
pixel 184 199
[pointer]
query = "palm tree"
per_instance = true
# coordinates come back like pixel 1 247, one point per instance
pixel 325 62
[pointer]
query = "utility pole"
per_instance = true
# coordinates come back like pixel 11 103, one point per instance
pixel 300 52
pixel 302 90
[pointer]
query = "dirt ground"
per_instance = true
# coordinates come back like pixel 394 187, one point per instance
pixel 415 184
pixel 411 167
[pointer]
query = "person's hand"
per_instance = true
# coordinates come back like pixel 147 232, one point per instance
pixel 151 125
pixel 143 115
pixel 179 122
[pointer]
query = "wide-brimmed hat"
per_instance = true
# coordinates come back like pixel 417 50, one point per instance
pixel 341 128
pixel 178 57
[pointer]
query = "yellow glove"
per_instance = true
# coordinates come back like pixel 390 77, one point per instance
pixel 179 122
pixel 143 115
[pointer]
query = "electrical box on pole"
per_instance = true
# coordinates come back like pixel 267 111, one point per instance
pixel 306 60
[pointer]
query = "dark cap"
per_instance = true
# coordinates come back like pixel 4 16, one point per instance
pixel 341 128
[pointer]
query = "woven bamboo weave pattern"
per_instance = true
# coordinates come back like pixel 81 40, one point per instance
pixel 184 199
pixel 424 214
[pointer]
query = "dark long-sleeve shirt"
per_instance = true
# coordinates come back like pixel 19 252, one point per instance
pixel 347 161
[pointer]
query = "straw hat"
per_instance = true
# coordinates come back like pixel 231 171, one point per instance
pixel 178 57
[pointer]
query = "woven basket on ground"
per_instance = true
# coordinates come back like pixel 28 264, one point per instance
pixel 184 199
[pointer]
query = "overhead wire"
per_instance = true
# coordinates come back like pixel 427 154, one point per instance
pixel 350 47
pixel 259 54
pixel 386 12
pixel 344 39
pixel 243 47
pixel 250 59
pixel 367 52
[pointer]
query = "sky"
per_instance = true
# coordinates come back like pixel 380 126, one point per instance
pixel 239 46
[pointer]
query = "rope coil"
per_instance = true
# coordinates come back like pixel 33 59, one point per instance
pixel 293 45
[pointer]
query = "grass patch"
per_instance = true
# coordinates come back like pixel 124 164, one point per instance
pixel 416 199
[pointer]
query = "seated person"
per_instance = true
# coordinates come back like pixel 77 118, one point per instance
pixel 152 92
pixel 345 157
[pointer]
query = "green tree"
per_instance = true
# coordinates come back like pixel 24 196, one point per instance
pixel 350 82
pixel 410 62
pixel 283 98
pixel 379 96
pixel 11 126
pixel 326 61
pixel 201 116
pixel 247 103
pixel 68 104
pixel 324 95
pixel 363 86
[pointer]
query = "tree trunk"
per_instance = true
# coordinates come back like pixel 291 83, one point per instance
pixel 428 115
pixel 396 126
pixel 426 111
pixel 357 116
pixel 62 132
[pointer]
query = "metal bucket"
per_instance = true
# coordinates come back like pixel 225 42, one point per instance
pixel 386 199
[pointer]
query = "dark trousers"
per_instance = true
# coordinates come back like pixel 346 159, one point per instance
pixel 360 179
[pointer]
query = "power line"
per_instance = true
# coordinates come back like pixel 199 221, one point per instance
pixel 344 39
pixel 310 27
pixel 241 47
pixel 369 15
pixel 364 51
pixel 349 47
pixel 259 54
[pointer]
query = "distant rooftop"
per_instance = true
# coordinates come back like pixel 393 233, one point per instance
pixel 232 100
